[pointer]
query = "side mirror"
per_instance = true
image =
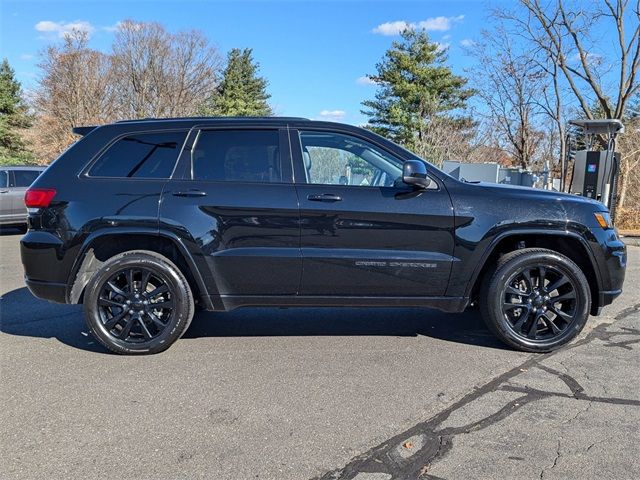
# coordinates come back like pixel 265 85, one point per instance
pixel 414 173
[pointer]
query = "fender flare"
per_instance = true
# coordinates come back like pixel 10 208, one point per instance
pixel 518 232
pixel 85 265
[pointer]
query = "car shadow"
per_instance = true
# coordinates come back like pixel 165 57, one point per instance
pixel 22 314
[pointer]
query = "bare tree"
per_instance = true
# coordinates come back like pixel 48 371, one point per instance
pixel 511 85
pixel 565 33
pixel 160 74
pixel 74 89
pixel 149 73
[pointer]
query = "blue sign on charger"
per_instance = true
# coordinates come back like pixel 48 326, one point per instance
pixel 591 168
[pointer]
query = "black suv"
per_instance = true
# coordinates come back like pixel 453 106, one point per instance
pixel 143 221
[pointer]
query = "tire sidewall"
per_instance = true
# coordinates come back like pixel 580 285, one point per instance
pixel 506 272
pixel 181 315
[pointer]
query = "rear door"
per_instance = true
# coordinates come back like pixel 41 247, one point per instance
pixel 233 200
pixel 364 232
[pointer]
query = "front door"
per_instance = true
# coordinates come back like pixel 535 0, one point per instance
pixel 364 232
pixel 236 202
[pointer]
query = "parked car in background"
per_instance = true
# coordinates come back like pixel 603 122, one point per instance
pixel 14 182
pixel 143 220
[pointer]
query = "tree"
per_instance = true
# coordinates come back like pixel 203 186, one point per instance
pixel 568 36
pixel 512 86
pixel 242 91
pixel 75 89
pixel 416 91
pixel 158 74
pixel 14 118
pixel 148 73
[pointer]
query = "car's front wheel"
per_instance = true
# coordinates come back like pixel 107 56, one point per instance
pixel 138 302
pixel 535 300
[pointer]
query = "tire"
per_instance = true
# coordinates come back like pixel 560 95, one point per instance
pixel 535 300
pixel 146 324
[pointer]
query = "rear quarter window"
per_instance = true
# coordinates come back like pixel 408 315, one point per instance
pixel 144 155
pixel 4 179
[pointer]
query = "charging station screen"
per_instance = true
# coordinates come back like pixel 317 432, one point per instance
pixel 591 168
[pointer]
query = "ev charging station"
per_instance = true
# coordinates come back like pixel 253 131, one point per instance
pixel 595 172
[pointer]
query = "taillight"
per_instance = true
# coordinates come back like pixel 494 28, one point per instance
pixel 39 197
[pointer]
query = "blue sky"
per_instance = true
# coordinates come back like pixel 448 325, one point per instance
pixel 314 54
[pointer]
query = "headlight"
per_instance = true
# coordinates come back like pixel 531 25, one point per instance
pixel 604 220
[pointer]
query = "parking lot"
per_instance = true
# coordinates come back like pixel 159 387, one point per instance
pixel 316 393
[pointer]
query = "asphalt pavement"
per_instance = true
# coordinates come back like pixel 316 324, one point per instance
pixel 370 394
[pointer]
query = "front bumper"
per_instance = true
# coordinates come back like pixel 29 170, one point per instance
pixel 611 259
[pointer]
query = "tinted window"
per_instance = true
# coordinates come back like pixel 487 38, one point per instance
pixel 147 155
pixel 237 156
pixel 337 159
pixel 4 178
pixel 24 178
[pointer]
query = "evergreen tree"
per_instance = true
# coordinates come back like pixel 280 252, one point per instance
pixel 13 117
pixel 242 92
pixel 415 86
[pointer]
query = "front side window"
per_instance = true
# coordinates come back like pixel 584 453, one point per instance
pixel 4 179
pixel 338 159
pixel 25 178
pixel 144 155
pixel 237 156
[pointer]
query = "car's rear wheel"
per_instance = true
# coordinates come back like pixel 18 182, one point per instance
pixel 535 300
pixel 138 302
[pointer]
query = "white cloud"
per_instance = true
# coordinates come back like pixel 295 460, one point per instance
pixel 442 46
pixel 60 29
pixel 467 42
pixel 433 24
pixel 26 56
pixel 112 28
pixel 332 115
pixel 365 80
pixel 439 24
pixel 391 28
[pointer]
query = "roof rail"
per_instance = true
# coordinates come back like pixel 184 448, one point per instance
pixel 213 118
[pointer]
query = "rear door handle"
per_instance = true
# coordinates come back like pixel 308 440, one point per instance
pixel 190 193
pixel 324 197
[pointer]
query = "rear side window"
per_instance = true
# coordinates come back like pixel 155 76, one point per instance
pixel 145 155
pixel 25 178
pixel 4 179
pixel 237 156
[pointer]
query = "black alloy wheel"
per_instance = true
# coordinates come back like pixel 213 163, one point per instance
pixel 539 302
pixel 138 302
pixel 135 304
pixel 535 300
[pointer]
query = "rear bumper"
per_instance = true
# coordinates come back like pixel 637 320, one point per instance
pixel 53 292
pixel 45 260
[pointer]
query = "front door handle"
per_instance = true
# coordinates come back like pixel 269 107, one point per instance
pixel 324 197
pixel 190 193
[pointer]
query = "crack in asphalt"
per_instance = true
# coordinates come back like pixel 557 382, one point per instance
pixel 555 461
pixel 384 458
